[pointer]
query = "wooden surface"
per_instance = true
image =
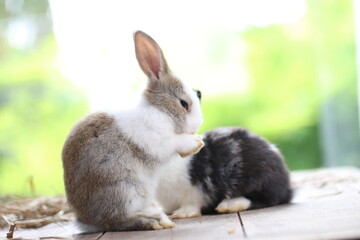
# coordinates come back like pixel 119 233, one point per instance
pixel 326 206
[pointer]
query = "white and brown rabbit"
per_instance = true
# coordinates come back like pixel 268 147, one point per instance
pixel 235 170
pixel 112 161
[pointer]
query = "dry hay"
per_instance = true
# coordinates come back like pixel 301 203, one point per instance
pixel 324 182
pixel 34 212
pixel 325 177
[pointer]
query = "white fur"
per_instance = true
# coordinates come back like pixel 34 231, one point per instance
pixel 86 228
pixel 156 212
pixel 273 148
pixel 224 130
pixel 154 131
pixel 175 192
pixel 233 205
pixel 194 119
pixel 186 211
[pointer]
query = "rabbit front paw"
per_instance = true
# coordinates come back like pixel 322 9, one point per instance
pixel 167 223
pixel 190 144
pixel 186 212
pixel 159 225
pixel 157 219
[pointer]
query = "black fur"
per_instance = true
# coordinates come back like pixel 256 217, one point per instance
pixel 235 163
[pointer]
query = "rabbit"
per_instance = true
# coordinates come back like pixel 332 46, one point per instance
pixel 235 170
pixel 112 161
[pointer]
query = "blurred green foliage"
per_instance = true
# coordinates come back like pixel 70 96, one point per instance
pixel 295 69
pixel 286 64
pixel 37 109
pixel 338 81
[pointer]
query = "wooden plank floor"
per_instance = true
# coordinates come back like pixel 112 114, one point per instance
pixel 326 206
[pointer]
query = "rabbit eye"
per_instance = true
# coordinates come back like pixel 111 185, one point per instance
pixel 184 104
pixel 198 94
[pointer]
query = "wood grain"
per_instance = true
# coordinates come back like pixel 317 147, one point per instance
pixel 320 219
pixel 224 226
pixel 61 229
pixel 206 227
pixel 91 236
pixel 327 209
pixel 143 235
pixel 326 206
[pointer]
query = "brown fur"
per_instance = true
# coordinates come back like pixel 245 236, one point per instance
pixel 94 174
pixel 165 94
pixel 88 128
pixel 196 150
pixel 83 131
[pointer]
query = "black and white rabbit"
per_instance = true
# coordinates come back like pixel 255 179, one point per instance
pixel 235 170
pixel 112 161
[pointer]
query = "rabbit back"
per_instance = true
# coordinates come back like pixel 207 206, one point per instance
pixel 105 173
pixel 236 163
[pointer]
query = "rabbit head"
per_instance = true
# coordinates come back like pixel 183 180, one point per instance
pixel 165 91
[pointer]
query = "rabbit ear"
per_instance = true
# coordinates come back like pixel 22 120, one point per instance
pixel 149 55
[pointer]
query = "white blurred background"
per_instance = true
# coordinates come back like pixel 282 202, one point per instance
pixel 96 48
